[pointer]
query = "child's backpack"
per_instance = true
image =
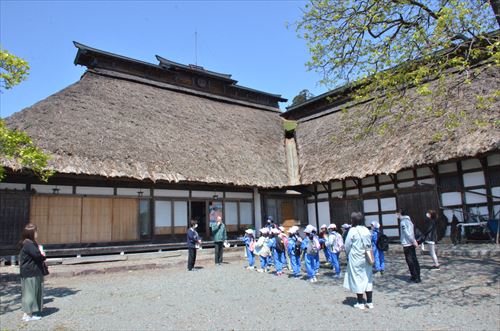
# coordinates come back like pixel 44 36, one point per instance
pixel 383 242
pixel 296 249
pixel 280 246
pixel 312 249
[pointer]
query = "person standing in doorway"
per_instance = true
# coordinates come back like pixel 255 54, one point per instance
pixel 406 229
pixel 193 243
pixel 431 236
pixel 32 269
pixel 220 236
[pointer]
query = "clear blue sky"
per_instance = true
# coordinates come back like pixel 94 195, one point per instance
pixel 249 40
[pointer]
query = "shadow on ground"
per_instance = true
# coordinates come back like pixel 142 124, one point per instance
pixel 10 293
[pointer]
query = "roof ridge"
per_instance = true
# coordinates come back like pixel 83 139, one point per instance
pixel 124 76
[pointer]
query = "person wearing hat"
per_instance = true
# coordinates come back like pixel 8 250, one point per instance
pixel 278 250
pixel 311 246
pixel 378 254
pixel 283 235
pixel 249 241
pixel 336 245
pixel 262 249
pixel 294 251
pixel 323 237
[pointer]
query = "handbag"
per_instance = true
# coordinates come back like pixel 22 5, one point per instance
pixel 45 269
pixel 370 258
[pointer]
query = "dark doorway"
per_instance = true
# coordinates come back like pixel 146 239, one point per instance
pixel 417 204
pixel 199 213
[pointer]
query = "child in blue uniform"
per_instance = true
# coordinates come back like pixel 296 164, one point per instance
pixel 335 245
pixel 278 250
pixel 311 246
pixel 294 251
pixel 378 254
pixel 249 241
pixel 323 237
pixel 262 249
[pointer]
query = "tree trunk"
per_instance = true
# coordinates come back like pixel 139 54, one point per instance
pixel 495 6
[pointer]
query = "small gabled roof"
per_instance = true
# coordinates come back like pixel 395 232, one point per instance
pixel 196 69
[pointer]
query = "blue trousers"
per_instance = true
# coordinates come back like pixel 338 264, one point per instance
pixel 250 257
pixel 312 265
pixel 327 254
pixel 263 262
pixel 379 259
pixel 278 262
pixel 334 260
pixel 295 260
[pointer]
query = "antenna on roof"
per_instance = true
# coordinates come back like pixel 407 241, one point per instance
pixel 195 47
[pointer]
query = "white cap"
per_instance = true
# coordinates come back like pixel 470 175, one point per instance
pixel 345 226
pixel 323 226
pixel 282 228
pixel 332 226
pixel 264 230
pixel 275 231
pixel 309 228
pixel 293 229
pixel 375 224
pixel 249 231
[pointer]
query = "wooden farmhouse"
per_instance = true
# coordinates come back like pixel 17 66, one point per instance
pixel 139 149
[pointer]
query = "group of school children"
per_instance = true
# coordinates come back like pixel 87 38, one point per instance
pixel 287 249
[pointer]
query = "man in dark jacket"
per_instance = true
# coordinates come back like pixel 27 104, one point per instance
pixel 220 235
pixel 193 242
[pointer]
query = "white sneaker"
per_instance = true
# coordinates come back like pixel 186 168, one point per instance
pixel 260 270
pixel 28 318
pixel 360 306
pixel 369 305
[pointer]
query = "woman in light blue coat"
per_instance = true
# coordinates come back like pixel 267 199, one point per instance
pixel 359 276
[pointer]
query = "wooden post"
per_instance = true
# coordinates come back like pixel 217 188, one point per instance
pixel 316 203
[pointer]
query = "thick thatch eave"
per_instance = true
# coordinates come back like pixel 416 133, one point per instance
pixel 118 127
pixel 412 143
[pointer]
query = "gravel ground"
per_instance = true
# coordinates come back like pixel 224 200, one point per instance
pixel 464 294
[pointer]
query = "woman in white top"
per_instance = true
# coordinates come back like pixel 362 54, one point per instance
pixel 359 277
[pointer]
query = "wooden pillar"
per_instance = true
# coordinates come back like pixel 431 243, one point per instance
pixel 330 200
pixel 316 203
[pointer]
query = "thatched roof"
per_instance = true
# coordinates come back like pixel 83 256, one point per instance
pixel 412 143
pixel 119 125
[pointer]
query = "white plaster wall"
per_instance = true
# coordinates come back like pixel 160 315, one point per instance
pixel 471 164
pixel 311 213
pixel 89 190
pixel 180 213
pixel 389 219
pixel 448 167
pixel 474 179
pixel 231 213
pixel 451 198
pixel 171 193
pixel 133 191
pixel 41 188
pixel 206 194
pixel 246 213
pixel 323 213
pixel 370 206
pixel 471 198
pixel 239 195
pixel 163 213
pixel 14 186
